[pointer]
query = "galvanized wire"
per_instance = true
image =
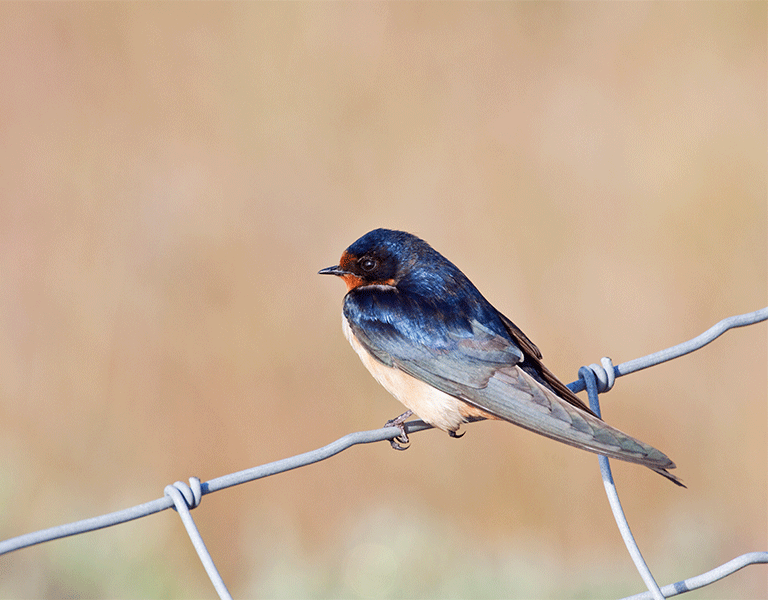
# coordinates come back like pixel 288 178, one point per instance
pixel 595 378
pixel 590 380
pixel 693 583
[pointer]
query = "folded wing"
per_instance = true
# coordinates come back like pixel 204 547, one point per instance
pixel 491 365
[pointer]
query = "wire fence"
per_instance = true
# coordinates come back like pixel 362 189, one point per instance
pixel 595 379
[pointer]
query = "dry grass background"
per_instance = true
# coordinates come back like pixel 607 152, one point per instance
pixel 174 175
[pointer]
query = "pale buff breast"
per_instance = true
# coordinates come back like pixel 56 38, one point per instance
pixel 428 403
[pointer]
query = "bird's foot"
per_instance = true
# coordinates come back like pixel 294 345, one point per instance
pixel 399 422
pixel 453 434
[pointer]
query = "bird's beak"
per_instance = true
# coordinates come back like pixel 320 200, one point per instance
pixel 337 270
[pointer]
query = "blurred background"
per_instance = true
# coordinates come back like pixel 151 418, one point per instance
pixel 174 176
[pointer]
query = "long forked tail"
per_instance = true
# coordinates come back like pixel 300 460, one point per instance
pixel 673 478
pixel 515 396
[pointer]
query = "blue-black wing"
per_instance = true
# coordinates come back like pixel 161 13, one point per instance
pixel 427 340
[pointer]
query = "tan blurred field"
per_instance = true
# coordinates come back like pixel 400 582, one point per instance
pixel 173 177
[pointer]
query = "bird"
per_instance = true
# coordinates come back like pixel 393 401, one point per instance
pixel 431 339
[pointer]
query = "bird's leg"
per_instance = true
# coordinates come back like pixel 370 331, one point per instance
pixel 399 422
pixel 471 419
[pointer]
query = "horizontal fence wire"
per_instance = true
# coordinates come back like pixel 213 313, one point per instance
pixel 595 378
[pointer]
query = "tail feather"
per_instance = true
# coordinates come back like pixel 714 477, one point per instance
pixel 515 396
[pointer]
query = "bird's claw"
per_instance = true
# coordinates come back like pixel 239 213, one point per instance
pixel 399 422
pixel 396 442
pixel 453 434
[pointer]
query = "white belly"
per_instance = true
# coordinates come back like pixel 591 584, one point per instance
pixel 428 403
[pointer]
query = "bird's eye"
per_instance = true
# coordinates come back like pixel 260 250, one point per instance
pixel 367 264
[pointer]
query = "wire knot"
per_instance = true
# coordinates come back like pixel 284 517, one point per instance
pixel 190 495
pixel 604 374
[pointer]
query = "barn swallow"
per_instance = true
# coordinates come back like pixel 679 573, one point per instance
pixel 427 334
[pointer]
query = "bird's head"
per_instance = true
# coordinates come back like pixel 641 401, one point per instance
pixel 382 257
